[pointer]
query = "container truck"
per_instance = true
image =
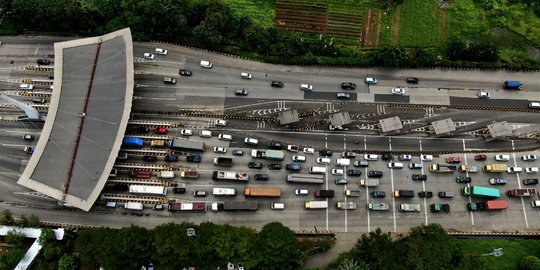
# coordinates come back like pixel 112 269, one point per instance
pixel 521 192
pixel 224 192
pixel 305 178
pixel 369 182
pixel 134 206
pixel 468 168
pixel 324 193
pixel 495 168
pixel 352 193
pixel 132 142
pixel 235 206
pixel 158 143
pixel 481 192
pixel 139 174
pixel 378 206
pixel 403 193
pixel 148 190
pixel 192 174
pixel 187 207
pixel 223 161
pixel 488 205
pixel 268 154
pixel 316 204
pixel 166 174
pixel 443 168
pixel 186 145
pixel 409 207
pixel 230 176
pixel 262 192
pixel 346 205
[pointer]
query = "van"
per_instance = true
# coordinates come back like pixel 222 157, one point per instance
pixel 246 75
pixel 206 64
pixel 343 162
pixel 298 158
pixel 278 206
pixel 317 170
pixel 512 85
pixel 225 137
pixel 205 133
pixel 534 105
pixel 322 160
pixel 446 194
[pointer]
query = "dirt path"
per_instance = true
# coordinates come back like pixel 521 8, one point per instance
pixel 395 26
pixel 367 31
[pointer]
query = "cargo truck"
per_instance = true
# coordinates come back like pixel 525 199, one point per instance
pixel 148 190
pixel 403 193
pixel 346 205
pixel 521 192
pixel 158 143
pixel 488 205
pixel 443 168
pixel 224 192
pixel 495 168
pixel 369 182
pixel 186 145
pixel 378 206
pixel 235 206
pixel 140 174
pixel 187 207
pixel 166 174
pixel 316 204
pixel 409 207
pixel 262 192
pixel 352 193
pixel 468 168
pixel 231 176
pixel 439 207
pixel 192 174
pixel 305 178
pixel 132 142
pixel 324 193
pixel 268 154
pixel 223 161
pixel 134 206
pixel 481 192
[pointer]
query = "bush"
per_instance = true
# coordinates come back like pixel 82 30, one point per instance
pixel 529 263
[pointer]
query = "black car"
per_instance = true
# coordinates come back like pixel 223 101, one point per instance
pixel 354 172
pixel 419 177
pixel 179 190
pixel 348 85
pixel 51 75
pixel 375 174
pixel 193 158
pixel 255 165
pixel 425 194
pixel 378 194
pixel 387 157
pixel 274 166
pixel 237 152
pixel 142 130
pixel 277 84
pixel 295 167
pixel 185 72
pixel 530 181
pixel 463 179
pixel 171 158
pixel 275 145
pixel 412 80
pixel 150 158
pixel 261 176
pixel 325 152
pixel 43 62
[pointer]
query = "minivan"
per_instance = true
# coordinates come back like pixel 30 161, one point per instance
pixel 225 137
pixel 322 160
pixel 446 194
pixel 205 133
pixel 246 75
pixel 299 158
pixel 343 162
pixel 206 64
pixel 278 206
pixel 534 105
pixel 317 170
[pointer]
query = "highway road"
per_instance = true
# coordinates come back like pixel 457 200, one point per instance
pixel 212 90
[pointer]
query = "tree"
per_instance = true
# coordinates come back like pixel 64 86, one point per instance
pixel 172 245
pixel 10 259
pixel 277 248
pixel 67 262
pixel 455 49
pixel 6 218
pixel 375 249
pixel 529 263
pixel 22 221
pixel 47 236
pixel 33 221
pixel 15 238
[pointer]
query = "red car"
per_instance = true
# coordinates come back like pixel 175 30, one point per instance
pixel 160 130
pixel 480 157
pixel 453 160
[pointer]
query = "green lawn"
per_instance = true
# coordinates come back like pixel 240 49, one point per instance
pixel 262 12
pixel 513 251
pixel 420 24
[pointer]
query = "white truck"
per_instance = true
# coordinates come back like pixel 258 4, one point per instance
pixel 166 174
pixel 369 182
pixel 346 205
pixel 134 206
pixel 316 204
pixel 378 206
pixel 409 207
pixel 224 192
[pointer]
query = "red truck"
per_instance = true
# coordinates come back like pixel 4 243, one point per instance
pixel 324 193
pixel 187 207
pixel 488 206
pixel 521 192
pixel 140 174
pixel 453 160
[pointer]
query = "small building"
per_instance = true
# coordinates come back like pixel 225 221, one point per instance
pixel 288 117
pixel 443 126
pixel 392 124
pixel 340 119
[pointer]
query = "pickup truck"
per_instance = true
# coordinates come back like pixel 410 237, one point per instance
pixel 346 205
pixel 223 161
pixel 378 206
pixel 468 168
pixel 352 193
pixel 193 174
pixel 293 148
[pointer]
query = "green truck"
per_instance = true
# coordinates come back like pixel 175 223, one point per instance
pixel 481 192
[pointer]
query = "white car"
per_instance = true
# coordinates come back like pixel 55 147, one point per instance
pixel 220 123
pixel 323 160
pixel 219 149
pixel 309 150
pixel 370 80
pixel 398 91
pixel 161 51
pixel 251 141
pixel 301 192
pixel 529 157
pixel 395 165
pixel 514 170
pixel 186 132
pixel 298 158
pixel 26 86
pixel 149 56
pixel 484 95
pixel 371 157
pixel 405 157
pixel 337 171
pixel 531 170
pixel 245 75
pixel 306 87
pixel 502 157
pixel 426 157
pixel 225 137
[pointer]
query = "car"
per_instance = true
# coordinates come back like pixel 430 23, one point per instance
pixel 220 123
pixel 193 158
pixel 337 171
pixel 412 80
pixel 186 132
pixel 161 51
pixel 514 169
pixel 387 157
pixel 308 150
pixel 529 157
pixel 179 190
pixel 484 95
pixel 404 157
pixel 398 91
pixel 43 62
pixel 185 72
pixel 377 194
pixel 347 154
pixel 341 181
pixel 361 163
pixel 275 145
pixel 415 166
pixel 419 177
pixel 295 167
pixel 375 174
pixel 245 75
pixel 29 149
pixel 426 157
pixel 149 56
pixel 28 137
pixel 277 84
pixel 150 158
pixel 274 166
pixel 255 165
pixel 277 206
pixel 169 80
pixel 480 157
pixel 534 105
pixel 325 152
pixel 199 193
pixel 241 92
pixel 206 64
pixel 335 128
pixel 425 194
pixel 237 152
pixel 261 177
pixel 25 86
pixel 502 157
pixel 370 80
pixel 51 75
pixel 158 207
pixel 343 95
pixel 395 165
pixel 322 160
pixel 225 137
pixel 354 172
pixel 453 159
pixel 293 148
pixel 160 130
pixel 298 158
pixel 371 157
pixel 348 85
pixel 171 158
pixel 497 181
pixel 530 181
pixel 251 141
pixel 219 149
pixel 531 170
pixel 306 87
pixel 463 179
pixel 301 192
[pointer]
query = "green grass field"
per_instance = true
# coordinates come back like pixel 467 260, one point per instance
pixel 420 24
pixel 513 251
pixel 262 12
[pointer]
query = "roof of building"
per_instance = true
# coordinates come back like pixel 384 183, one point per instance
pixel 86 120
pixel 443 126
pixel 340 119
pixel 288 117
pixel 390 124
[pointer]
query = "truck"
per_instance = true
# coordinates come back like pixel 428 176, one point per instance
pixel 223 161
pixel 181 144
pixel 268 154
pixel 305 178
pixel 166 174
pixel 468 168
pixel 139 174
pixel 231 176
pixel 352 193
pixel 132 142
pixel 262 192
pixel 409 207
pixel 223 191
pixel 403 193
pixel 488 205
pixel 187 207
pixel 346 205
pixel 192 174
pixel 443 168
pixel 369 182
pixel 378 206
pixel 148 190
pixel 439 207
pixel 235 206
pixel 324 193
pixel 134 206
pixel 481 192
pixel 293 148
pixel 495 168
pixel 158 143
pixel 316 204
pixel 521 192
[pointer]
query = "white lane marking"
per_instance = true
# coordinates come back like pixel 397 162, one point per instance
pixel 424 188
pixel 326 176
pixel 392 181
pixel 345 177
pixel 519 186
pixel 37 48
pixel 468 184
pixel 367 190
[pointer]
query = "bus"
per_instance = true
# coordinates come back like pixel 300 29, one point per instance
pixel 148 190
pixel 305 178
pixel 481 192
